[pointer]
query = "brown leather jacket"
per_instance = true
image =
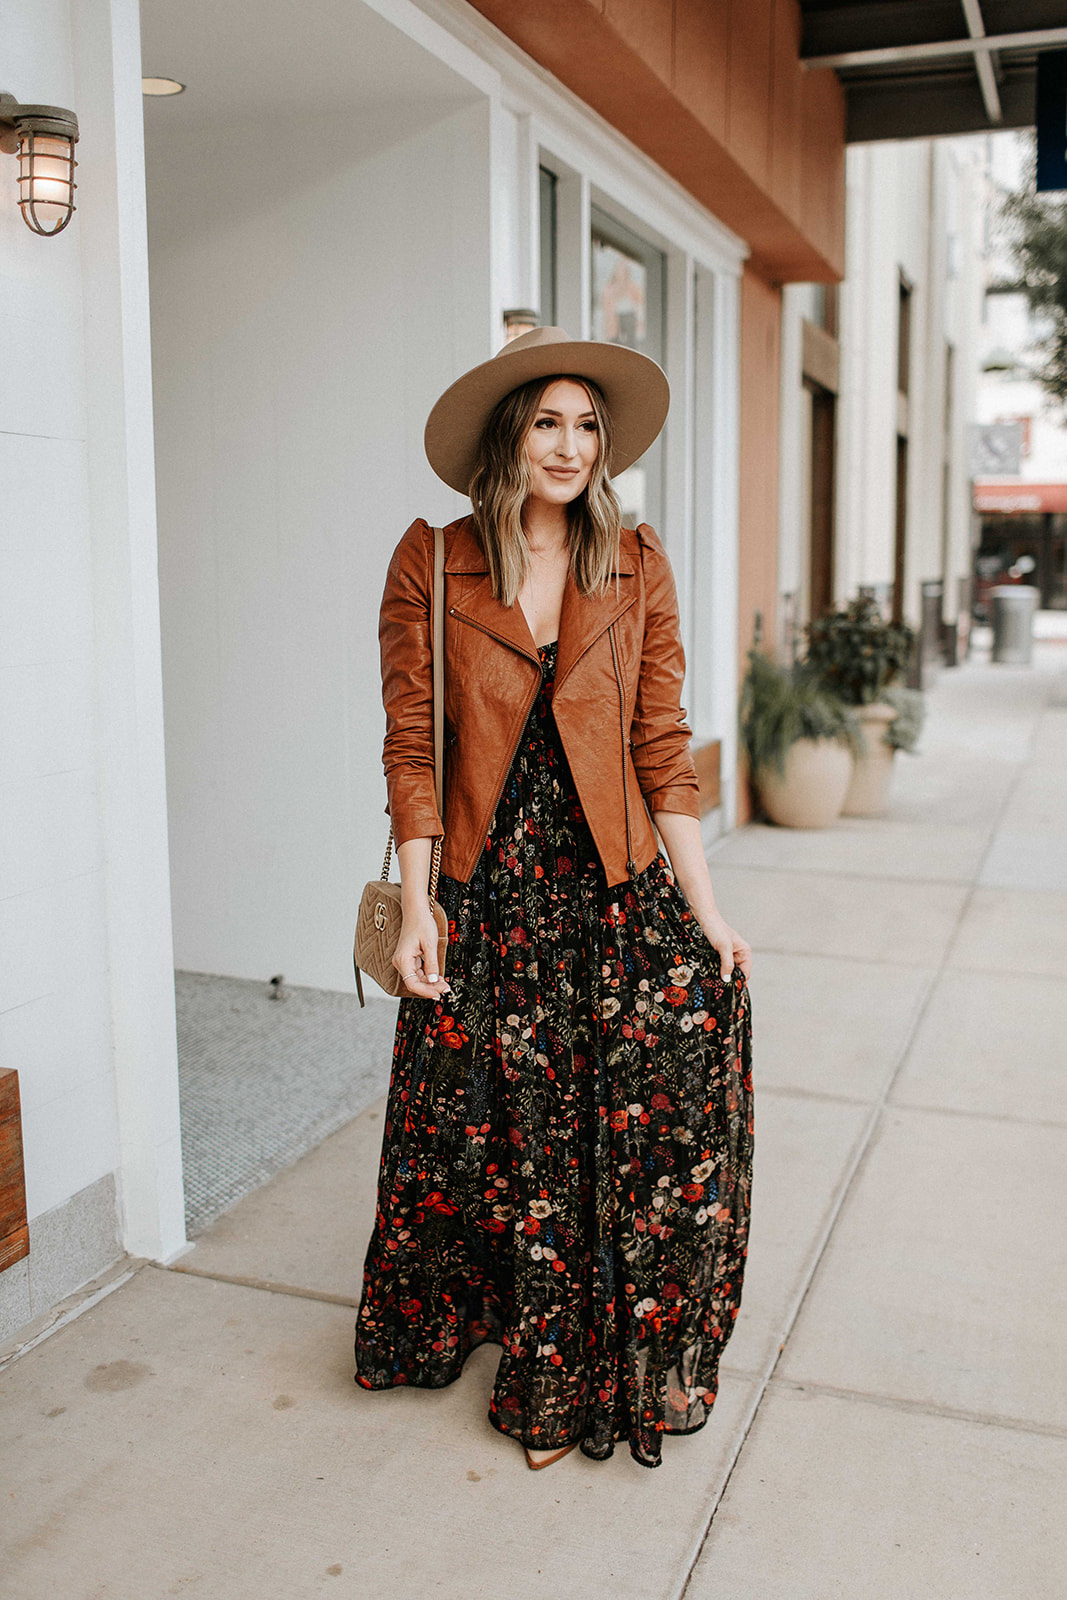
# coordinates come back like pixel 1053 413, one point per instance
pixel 618 712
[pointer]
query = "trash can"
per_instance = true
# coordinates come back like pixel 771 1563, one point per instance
pixel 1014 605
pixel 931 655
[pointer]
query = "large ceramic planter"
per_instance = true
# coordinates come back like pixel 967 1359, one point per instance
pixel 817 774
pixel 868 793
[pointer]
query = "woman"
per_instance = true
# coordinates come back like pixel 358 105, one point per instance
pixel 566 1160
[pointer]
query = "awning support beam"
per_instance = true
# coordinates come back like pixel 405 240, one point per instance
pixel 985 61
pixel 986 45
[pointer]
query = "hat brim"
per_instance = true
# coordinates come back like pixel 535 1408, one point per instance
pixel 635 390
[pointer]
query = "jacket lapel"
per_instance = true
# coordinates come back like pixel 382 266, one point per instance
pixel 583 618
pixel 473 600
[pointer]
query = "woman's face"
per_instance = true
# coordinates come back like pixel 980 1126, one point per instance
pixel 562 443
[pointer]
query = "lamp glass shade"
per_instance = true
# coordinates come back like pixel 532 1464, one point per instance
pixel 46 180
pixel 516 323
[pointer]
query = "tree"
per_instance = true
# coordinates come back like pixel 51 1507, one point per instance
pixel 1033 230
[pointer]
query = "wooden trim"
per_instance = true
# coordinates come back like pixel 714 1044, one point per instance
pixel 14 1247
pixel 707 758
pixel 14 1229
pixel 820 356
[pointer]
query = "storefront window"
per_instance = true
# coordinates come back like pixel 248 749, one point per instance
pixel 1022 548
pixel 627 282
pixel 548 186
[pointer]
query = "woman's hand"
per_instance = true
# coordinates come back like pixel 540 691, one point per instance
pixel 681 834
pixel 733 950
pixel 415 956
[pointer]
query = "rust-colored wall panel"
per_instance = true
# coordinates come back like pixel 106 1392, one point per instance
pixel 614 61
pixel 14 1232
pixel 748 103
pixel 761 320
pixel 786 129
pixel 648 28
pixel 701 57
pixel 823 157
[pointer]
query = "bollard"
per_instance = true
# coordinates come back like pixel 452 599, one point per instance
pixel 1014 605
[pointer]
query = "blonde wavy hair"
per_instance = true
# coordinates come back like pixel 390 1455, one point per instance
pixel 500 485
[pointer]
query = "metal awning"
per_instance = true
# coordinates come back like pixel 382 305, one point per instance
pixel 1013 496
pixel 916 68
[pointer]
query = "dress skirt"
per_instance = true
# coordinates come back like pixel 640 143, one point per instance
pixel 566 1161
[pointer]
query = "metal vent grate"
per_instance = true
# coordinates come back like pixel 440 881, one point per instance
pixel 263 1081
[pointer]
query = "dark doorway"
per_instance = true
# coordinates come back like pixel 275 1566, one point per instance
pixel 900 542
pixel 901 533
pixel 821 554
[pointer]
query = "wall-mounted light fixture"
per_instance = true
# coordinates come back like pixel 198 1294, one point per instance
pixel 43 138
pixel 519 320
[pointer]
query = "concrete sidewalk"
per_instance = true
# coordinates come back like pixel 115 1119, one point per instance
pixel 892 1421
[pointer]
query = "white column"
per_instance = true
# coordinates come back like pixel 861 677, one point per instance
pixel 574 251
pixel 111 219
pixel 679 464
pixel 715 520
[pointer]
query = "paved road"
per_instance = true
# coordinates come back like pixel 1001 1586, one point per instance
pixel 892 1421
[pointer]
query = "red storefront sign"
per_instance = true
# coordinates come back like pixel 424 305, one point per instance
pixel 1002 496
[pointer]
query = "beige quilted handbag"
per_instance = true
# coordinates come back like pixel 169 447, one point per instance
pixel 380 908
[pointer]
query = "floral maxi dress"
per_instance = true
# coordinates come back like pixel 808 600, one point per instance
pixel 567 1154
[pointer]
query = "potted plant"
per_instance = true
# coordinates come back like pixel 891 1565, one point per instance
pixel 856 654
pixel 904 730
pixel 799 739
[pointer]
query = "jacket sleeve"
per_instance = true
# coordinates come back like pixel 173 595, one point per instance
pixel 404 638
pixel 659 733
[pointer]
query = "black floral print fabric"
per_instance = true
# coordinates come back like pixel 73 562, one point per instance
pixel 567 1154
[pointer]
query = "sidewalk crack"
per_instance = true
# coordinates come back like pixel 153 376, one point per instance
pixel 265 1285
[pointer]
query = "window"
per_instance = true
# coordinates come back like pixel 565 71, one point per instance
pixel 824 308
pixel 548 185
pixel 627 285
pixel 904 337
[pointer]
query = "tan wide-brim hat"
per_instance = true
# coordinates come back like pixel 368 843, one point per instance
pixel 634 386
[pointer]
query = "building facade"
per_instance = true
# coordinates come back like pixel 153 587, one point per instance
pixel 224 365
pixel 1021 509
pixel 878 386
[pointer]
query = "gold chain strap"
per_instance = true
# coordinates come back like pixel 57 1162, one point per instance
pixel 435 863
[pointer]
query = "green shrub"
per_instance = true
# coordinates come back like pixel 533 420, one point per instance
pixel 855 653
pixel 904 730
pixel 780 705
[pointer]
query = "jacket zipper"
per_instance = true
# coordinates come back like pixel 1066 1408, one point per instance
pixel 499 637
pixel 631 869
pixel 631 602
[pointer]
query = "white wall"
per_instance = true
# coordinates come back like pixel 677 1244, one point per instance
pixel 884 224
pixel 963 324
pixel 305 315
pixel 54 1032
pixel 309 303
pixel 911 206
pixel 86 986
pixel 794 465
